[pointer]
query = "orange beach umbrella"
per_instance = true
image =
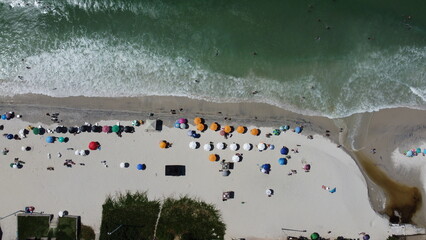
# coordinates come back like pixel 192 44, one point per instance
pixel 227 129
pixel 213 157
pixel 201 127
pixel 198 120
pixel 254 131
pixel 163 144
pixel 214 126
pixel 241 129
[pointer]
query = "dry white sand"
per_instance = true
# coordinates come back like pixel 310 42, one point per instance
pixel 299 201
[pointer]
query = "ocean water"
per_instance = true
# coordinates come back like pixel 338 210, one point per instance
pixel 327 58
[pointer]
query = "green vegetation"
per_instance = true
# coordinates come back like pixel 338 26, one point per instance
pixel 67 228
pixel 87 233
pixel 183 218
pixel 33 226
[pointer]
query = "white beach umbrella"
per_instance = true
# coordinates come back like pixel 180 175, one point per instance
pixel 261 146
pixel 22 133
pixel 233 147
pixel 208 147
pixel 247 146
pixel 15 166
pixel 83 152
pixel 193 145
pixel 268 192
pixel 236 158
pixel 77 152
pixel 122 165
pixel 61 214
pixel 220 145
pixel 23 148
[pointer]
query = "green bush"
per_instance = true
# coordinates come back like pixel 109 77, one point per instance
pixel 87 233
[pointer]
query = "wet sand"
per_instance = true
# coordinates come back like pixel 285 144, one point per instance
pixel 384 130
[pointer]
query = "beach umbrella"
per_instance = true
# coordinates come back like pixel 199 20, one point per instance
pixel 106 129
pixel 3 117
pixel 315 236
pixel 332 190
pixel 247 146
pixel 60 213
pixel 222 133
pixel 115 128
pixel 129 129
pixel 241 129
pixel 298 129
pixel 208 147
pixel 15 166
pixel 190 132
pixel 83 152
pixel 409 153
pixel 163 144
pixel 73 129
pixel 12 165
pixel 236 158
pixel 220 145
pixel 268 192
pixel 272 147
pixel 84 128
pixel 23 133
pixel 141 166
pixel 9 136
pixel 214 126
pixel 276 132
pixel 201 127
pixel 36 131
pixel 94 145
pixel 255 132
pixel 226 173
pixel 424 151
pixel 418 150
pixel 58 129
pixel 183 126
pixel 61 139
pixel 265 168
pixel 284 151
pixel 50 139
pixel 234 147
pixel 136 123
pixel 282 161
pixel 227 129
pixel 9 115
pixel 77 152
pixel 96 129
pixel 307 167
pixel 366 237
pixel 122 165
pixel 193 145
pixel 282 128
pixel 183 120
pixel 213 157
pixel 177 124
pixel 198 120
pixel 261 146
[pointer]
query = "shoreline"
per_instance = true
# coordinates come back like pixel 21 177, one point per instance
pixel 371 128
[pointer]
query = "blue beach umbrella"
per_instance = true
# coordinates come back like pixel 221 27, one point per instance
pixel 298 129
pixel 177 124
pixel 190 133
pixel 424 151
pixel 409 154
pixel 50 139
pixel 9 136
pixel 141 166
pixel 418 150
pixel 284 151
pixel 3 117
pixel 282 161
pixel 333 190
pixel 272 147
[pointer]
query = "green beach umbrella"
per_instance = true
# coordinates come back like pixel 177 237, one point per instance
pixel 11 165
pixel 418 150
pixel 115 128
pixel 36 131
pixel 61 139
pixel 276 132
pixel 315 236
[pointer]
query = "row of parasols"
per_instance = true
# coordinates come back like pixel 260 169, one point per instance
pixel 235 146
pixel 201 126
pixel 9 115
pixel 414 152
pixel 85 128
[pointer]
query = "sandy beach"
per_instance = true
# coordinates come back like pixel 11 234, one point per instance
pixel 300 201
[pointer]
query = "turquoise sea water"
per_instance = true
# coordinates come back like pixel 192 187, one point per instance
pixel 329 58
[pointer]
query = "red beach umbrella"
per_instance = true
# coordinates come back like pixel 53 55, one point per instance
pixel 94 145
pixel 106 129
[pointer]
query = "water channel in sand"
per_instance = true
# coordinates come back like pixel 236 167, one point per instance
pixel 402 201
